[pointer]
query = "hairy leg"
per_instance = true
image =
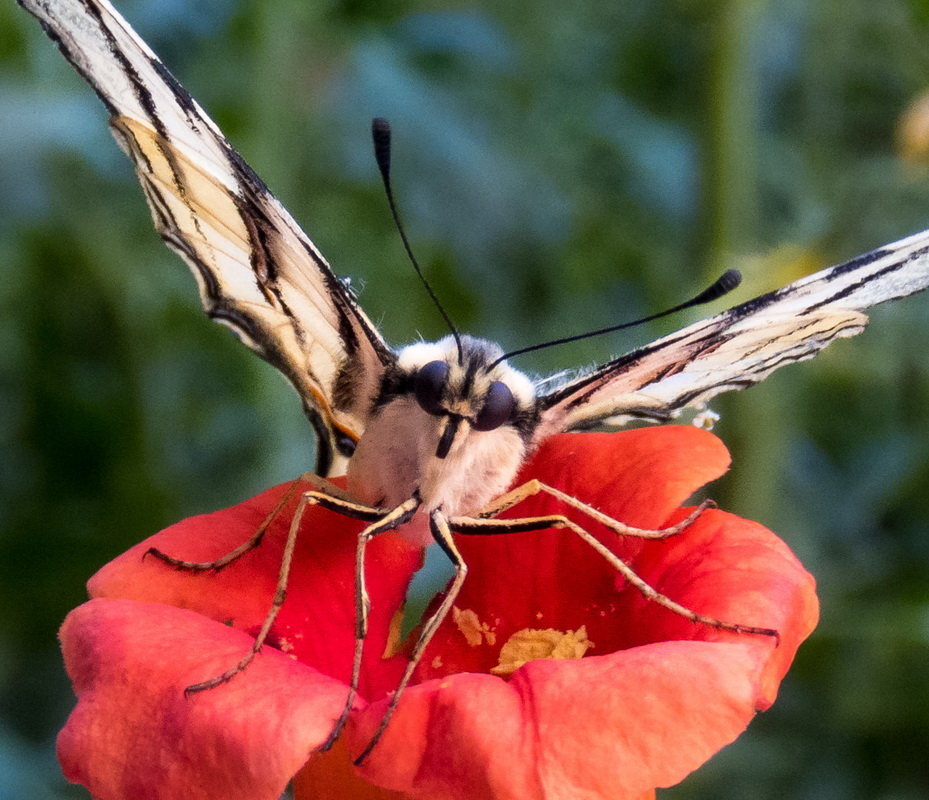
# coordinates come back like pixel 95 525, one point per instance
pixel 319 484
pixel 441 532
pixel 533 487
pixel 308 498
pixel 477 526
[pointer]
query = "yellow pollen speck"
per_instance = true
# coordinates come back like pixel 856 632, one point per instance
pixel 474 631
pixel 437 662
pixel 529 644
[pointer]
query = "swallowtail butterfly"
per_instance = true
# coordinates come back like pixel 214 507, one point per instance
pixel 464 419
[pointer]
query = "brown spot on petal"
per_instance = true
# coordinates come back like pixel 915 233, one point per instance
pixel 395 641
pixel 530 644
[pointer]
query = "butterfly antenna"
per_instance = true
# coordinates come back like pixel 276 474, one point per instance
pixel 380 133
pixel 724 284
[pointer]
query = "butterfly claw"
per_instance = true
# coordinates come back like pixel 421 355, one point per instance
pixel 219 680
pixel 187 566
pixel 339 726
pixel 690 519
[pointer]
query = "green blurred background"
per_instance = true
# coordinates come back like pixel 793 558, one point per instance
pixel 560 166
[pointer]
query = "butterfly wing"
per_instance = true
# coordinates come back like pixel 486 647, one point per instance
pixel 738 347
pixel 257 272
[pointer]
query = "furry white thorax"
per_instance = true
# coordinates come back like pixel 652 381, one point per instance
pixel 396 455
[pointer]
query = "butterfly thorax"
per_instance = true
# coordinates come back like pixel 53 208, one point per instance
pixel 451 427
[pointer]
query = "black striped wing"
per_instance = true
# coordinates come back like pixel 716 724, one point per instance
pixel 257 271
pixel 741 346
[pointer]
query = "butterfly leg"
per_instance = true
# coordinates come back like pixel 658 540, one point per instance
pixel 311 497
pixel 483 527
pixel 441 532
pixel 534 487
pixel 321 484
pixel 387 521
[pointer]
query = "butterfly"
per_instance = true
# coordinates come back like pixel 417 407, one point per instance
pixel 432 435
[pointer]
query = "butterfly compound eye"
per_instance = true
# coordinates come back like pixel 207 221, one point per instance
pixel 428 386
pixel 499 405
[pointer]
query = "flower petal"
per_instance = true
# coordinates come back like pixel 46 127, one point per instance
pixel 552 579
pixel 604 727
pixel 316 624
pixel 638 476
pixel 735 570
pixel 332 776
pixel 667 694
pixel 656 697
pixel 134 733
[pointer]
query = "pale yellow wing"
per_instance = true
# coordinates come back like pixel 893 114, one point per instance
pixel 257 271
pixel 738 347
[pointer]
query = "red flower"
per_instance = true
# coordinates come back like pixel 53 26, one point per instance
pixel 653 698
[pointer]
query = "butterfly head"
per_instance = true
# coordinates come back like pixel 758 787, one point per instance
pixel 452 427
pixel 465 390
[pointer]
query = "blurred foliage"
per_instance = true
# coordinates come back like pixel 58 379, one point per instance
pixel 559 166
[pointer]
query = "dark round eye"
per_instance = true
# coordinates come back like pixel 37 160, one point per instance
pixel 499 405
pixel 429 385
